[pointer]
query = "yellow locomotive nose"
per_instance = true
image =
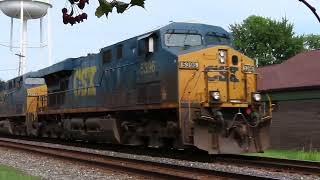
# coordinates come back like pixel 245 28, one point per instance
pixel 217 76
pixel 217 87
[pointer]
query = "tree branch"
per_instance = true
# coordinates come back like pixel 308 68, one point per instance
pixel 313 9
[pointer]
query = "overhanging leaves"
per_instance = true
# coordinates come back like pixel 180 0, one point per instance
pixel 106 7
pixel 121 6
pixel 137 3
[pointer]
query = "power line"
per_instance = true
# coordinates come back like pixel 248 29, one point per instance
pixel 8 69
pixel 32 47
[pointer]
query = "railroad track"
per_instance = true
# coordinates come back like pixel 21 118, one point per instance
pixel 141 167
pixel 273 164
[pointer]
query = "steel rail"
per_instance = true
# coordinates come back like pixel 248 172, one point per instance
pixel 141 167
pixel 286 165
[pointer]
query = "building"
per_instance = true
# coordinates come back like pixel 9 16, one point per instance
pixel 294 87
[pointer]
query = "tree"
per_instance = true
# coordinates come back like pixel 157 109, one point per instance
pixel 266 40
pixel 105 7
pixel 312 42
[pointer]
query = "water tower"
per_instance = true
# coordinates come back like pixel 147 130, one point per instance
pixel 25 10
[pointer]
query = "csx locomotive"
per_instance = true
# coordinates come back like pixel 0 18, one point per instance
pixel 180 86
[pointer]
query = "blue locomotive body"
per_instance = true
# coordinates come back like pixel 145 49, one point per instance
pixel 125 75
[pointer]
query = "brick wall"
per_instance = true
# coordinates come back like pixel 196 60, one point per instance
pixel 296 125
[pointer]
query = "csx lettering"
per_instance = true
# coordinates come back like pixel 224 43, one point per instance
pixel 83 82
pixel 223 75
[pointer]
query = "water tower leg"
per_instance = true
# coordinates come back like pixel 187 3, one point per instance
pixel 23 42
pixel 21 39
pixel 41 32
pixel 24 48
pixel 49 38
pixel 11 35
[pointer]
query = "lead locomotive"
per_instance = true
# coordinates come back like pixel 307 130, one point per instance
pixel 181 86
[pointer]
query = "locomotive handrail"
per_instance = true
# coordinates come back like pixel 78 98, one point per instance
pixel 270 105
pixel 70 90
pixel 11 92
pixel 58 98
pixel 97 85
pixel 245 119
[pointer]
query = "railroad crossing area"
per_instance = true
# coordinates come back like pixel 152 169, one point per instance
pixel 138 89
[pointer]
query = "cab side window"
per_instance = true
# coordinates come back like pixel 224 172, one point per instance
pixel 148 45
pixel 18 82
pixel 107 56
pixel 10 84
pixel 120 51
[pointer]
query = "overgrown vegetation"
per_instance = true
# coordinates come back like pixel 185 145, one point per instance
pixel 267 40
pixel 271 41
pixel 8 173
pixel 312 42
pixel 295 155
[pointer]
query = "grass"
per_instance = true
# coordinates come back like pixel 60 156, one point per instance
pixel 295 155
pixel 9 173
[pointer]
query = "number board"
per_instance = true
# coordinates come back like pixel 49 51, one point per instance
pixel 189 65
pixel 248 69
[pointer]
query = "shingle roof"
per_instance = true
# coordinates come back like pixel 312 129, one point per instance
pixel 302 70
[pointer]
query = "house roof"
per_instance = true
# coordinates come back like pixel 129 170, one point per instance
pixel 300 71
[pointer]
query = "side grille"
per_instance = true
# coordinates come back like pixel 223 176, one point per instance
pixel 149 93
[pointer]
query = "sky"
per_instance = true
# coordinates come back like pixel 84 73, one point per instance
pixel 94 34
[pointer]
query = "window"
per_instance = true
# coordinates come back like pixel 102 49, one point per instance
pixel 182 40
pixel 107 56
pixel 64 84
pixel 2 86
pixel 141 47
pixel 34 81
pixel 119 51
pixel 18 82
pixel 2 98
pixel 220 39
pixel 10 85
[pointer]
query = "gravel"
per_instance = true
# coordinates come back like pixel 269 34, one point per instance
pixel 51 169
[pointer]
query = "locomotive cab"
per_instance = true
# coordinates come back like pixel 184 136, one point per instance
pixel 19 103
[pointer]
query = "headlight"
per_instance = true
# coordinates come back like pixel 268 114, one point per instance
pixel 222 56
pixel 257 97
pixel 215 95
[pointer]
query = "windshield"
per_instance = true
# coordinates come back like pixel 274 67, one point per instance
pixel 217 39
pixel 34 81
pixel 181 40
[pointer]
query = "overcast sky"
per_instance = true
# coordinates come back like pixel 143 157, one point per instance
pixel 96 33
